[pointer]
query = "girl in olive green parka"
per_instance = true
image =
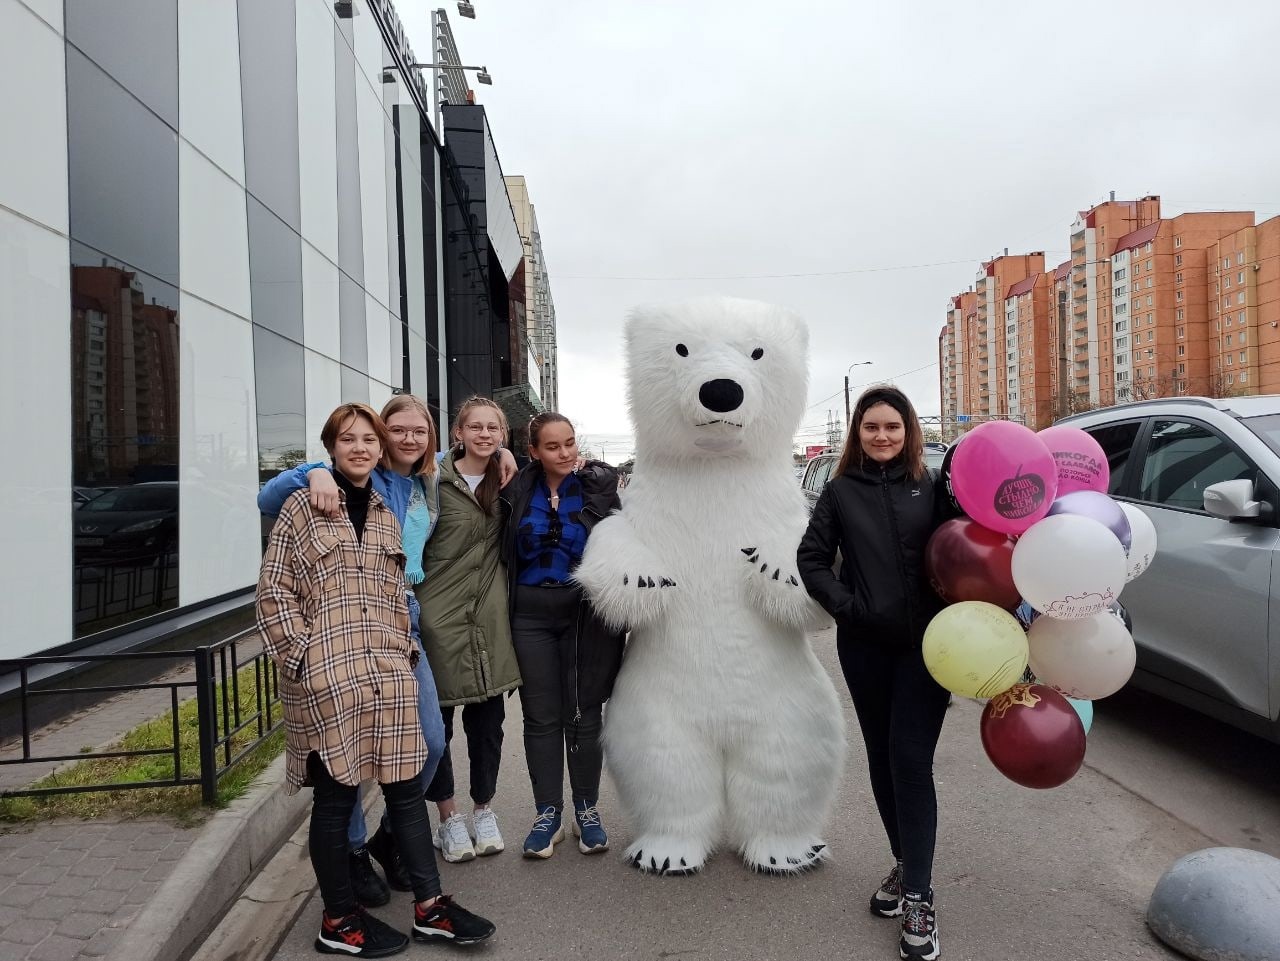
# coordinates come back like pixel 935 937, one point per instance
pixel 466 631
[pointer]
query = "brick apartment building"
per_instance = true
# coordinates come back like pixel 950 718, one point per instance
pixel 1145 307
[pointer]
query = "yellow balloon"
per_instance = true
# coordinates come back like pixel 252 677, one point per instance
pixel 975 649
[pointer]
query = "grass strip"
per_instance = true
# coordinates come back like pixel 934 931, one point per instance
pixel 181 803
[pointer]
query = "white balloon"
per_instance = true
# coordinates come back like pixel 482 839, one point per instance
pixel 1086 659
pixel 1069 566
pixel 1142 549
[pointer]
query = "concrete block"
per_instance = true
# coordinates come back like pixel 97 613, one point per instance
pixel 1220 904
pixel 62 858
pixel 45 874
pixel 56 948
pixel 91 868
pixel 104 942
pixel 81 925
pixel 29 931
pixel 73 887
pixel 12 867
pixel 21 895
pixel 98 901
pixel 53 908
pixel 120 880
pixel 141 892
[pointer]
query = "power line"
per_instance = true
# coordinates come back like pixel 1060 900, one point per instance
pixel 813 273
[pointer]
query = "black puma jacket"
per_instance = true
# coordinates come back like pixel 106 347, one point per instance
pixel 880 521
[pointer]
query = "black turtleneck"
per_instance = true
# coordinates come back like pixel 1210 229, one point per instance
pixel 357 501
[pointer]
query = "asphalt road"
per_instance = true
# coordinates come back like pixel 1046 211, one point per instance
pixel 1019 874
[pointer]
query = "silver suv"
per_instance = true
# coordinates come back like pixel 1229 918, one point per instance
pixel 820 468
pixel 1207 473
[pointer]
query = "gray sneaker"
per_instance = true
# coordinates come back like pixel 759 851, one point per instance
pixel 453 840
pixel 488 837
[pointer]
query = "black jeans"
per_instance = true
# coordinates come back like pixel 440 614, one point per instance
pixel 482 723
pixel 327 840
pixel 543 629
pixel 900 710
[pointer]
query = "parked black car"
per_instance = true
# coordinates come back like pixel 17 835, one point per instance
pixel 135 522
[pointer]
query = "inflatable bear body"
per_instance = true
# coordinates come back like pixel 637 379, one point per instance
pixel 722 721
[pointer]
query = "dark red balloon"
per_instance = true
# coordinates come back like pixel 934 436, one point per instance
pixel 967 562
pixel 1033 736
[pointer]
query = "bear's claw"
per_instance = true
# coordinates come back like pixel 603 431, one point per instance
pixel 643 580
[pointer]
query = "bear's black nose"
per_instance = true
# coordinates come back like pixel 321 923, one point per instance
pixel 721 395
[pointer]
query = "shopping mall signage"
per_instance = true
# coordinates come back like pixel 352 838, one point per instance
pixel 398 40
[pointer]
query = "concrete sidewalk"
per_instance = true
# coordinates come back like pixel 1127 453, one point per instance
pixel 136 888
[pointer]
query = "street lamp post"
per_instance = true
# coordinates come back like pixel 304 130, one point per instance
pixel 847 414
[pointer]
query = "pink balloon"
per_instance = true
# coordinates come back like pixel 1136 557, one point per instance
pixel 1081 463
pixel 1004 476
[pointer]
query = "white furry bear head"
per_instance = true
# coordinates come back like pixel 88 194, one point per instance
pixel 716 377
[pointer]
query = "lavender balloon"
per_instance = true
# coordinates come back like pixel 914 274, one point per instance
pixel 1098 507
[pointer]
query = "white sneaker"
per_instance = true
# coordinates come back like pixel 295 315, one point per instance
pixel 488 837
pixel 453 840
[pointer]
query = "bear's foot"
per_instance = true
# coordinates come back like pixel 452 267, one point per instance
pixel 666 855
pixel 774 854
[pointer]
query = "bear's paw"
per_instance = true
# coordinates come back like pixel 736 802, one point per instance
pixel 772 854
pixel 666 856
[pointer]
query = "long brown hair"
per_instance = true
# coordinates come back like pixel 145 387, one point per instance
pixel 539 421
pixel 913 437
pixel 426 466
pixel 487 491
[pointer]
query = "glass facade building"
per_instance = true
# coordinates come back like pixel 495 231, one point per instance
pixel 218 220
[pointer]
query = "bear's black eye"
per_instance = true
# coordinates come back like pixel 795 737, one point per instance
pixel 757 353
pixel 682 350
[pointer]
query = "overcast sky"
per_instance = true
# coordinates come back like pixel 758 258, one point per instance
pixel 880 151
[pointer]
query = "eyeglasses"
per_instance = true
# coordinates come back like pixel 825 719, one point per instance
pixel 420 434
pixel 480 428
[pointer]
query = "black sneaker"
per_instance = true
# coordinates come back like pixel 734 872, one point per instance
pixel 383 848
pixel 887 901
pixel 359 935
pixel 447 921
pixel 919 941
pixel 369 889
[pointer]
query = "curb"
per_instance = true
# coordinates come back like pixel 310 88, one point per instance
pixel 231 848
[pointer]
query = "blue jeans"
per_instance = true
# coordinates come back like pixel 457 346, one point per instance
pixel 432 732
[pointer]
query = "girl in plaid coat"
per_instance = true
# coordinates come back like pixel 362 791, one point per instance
pixel 332 615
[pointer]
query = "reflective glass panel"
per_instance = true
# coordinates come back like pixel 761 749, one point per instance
pixel 124 408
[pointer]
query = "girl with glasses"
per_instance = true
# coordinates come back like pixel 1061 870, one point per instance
pixel 465 627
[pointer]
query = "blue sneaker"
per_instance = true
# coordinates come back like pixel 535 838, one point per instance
pixel 592 838
pixel 546 834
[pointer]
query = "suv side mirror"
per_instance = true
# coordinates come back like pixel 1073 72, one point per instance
pixel 1233 500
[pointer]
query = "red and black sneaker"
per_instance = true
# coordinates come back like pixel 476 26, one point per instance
pixel 446 921
pixel 359 935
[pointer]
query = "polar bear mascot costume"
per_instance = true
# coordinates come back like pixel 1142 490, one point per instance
pixel 722 721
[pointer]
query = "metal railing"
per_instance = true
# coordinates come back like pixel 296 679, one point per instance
pixel 228 730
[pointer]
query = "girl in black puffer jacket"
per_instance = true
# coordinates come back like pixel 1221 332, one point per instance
pixel 568 657
pixel 879 511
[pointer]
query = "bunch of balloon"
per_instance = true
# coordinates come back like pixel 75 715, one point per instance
pixel 1040 536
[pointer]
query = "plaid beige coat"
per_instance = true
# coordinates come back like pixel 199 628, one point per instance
pixel 332 614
